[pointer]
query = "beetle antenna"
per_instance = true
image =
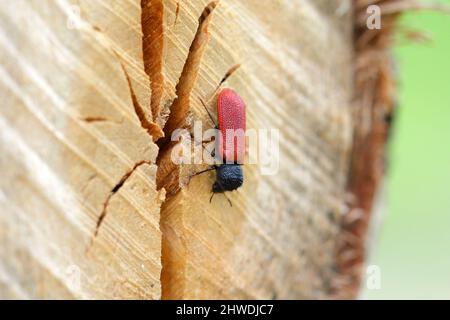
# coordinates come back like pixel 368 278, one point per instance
pixel 209 113
pixel 212 195
pixel 229 201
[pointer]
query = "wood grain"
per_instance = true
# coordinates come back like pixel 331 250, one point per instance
pixel 278 240
pixel 73 149
pixel 92 206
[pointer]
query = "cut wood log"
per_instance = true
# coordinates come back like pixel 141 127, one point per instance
pixel 80 210
pixel 92 203
pixel 293 68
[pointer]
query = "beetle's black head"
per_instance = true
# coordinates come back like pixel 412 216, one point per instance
pixel 229 177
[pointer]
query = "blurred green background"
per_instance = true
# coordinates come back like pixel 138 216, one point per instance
pixel 413 243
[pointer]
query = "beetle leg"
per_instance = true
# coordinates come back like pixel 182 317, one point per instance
pixel 209 113
pixel 201 172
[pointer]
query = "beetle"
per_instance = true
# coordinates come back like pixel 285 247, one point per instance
pixel 231 141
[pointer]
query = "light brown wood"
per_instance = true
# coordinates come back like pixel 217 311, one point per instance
pixel 279 238
pixel 92 205
pixel 79 208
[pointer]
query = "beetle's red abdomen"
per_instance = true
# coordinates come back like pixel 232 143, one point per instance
pixel 231 116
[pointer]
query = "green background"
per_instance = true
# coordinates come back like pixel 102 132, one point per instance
pixel 412 246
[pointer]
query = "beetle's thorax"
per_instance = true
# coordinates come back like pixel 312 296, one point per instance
pixel 229 177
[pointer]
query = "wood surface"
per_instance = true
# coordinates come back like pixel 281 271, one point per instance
pixel 92 205
pixel 80 210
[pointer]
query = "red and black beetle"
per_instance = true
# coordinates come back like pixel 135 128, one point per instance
pixel 231 115
pixel 231 141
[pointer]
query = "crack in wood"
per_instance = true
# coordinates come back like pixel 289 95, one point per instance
pixel 152 128
pixel 181 105
pixel 177 12
pixel 94 119
pixel 153 32
pixel 153 45
pixel 113 191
